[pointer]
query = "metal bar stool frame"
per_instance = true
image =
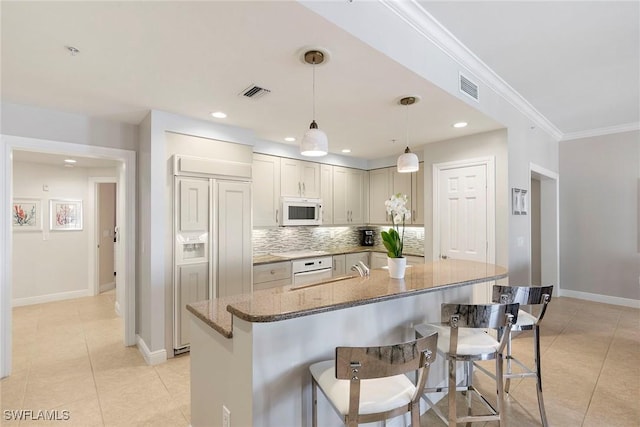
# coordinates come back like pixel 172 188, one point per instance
pixel 359 364
pixel 476 316
pixel 530 296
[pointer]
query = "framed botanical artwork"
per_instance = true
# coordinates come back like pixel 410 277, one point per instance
pixel 65 215
pixel 524 206
pixel 26 214
pixel 516 201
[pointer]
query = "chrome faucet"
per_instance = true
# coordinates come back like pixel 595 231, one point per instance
pixel 362 269
pixel 356 267
pixel 365 268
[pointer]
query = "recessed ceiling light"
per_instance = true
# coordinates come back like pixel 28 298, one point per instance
pixel 460 125
pixel 346 150
pixel 70 161
pixel 290 139
pixel 219 115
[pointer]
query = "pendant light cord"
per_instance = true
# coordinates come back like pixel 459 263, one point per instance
pixel 313 116
pixel 406 126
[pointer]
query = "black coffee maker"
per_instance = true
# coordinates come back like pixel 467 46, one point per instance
pixel 366 238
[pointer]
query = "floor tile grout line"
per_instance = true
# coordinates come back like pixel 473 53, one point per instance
pixel 604 360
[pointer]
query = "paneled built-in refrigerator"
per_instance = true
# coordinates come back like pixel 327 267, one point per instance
pixel 212 252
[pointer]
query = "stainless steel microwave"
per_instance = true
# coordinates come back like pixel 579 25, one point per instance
pixel 301 211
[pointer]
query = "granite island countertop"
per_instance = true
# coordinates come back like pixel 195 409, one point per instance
pixel 269 258
pixel 288 302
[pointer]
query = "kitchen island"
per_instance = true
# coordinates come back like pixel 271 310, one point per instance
pixel 250 353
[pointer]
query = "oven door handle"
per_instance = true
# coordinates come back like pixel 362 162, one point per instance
pixel 312 272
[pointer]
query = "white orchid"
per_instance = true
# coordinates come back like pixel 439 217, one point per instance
pixel 396 208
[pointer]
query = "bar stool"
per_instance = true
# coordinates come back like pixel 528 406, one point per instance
pixel 463 338
pixel 366 384
pixel 526 295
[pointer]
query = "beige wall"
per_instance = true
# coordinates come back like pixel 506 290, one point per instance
pixel 599 215
pixel 470 147
pixel 106 228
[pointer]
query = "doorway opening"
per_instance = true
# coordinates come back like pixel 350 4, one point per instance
pixel 125 176
pixel 543 227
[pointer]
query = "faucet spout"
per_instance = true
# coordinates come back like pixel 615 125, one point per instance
pixel 356 267
pixel 365 269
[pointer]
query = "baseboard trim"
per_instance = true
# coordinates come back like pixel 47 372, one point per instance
pixel 151 357
pixel 626 302
pixel 107 287
pixel 60 296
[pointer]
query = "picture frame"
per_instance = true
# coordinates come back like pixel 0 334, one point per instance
pixel 65 215
pixel 524 206
pixel 26 214
pixel 516 201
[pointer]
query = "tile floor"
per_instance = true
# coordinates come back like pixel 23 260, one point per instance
pixel 69 356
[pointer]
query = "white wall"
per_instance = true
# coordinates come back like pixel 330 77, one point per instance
pixel 599 251
pixel 60 257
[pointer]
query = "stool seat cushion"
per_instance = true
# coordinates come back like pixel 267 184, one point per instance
pixel 525 319
pixel 376 395
pixel 470 341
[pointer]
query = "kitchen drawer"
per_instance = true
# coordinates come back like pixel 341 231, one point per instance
pixel 270 272
pixel 271 284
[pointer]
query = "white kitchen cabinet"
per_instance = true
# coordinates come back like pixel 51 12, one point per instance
pixel 348 196
pixel 411 184
pixel 339 265
pixel 379 192
pixel 299 178
pixel 193 210
pixel 326 193
pixel 234 238
pixel 352 259
pixel 192 286
pixel 271 275
pixel 266 190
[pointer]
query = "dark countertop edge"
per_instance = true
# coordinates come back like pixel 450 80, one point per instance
pixel 308 312
pixel 227 333
pixel 352 250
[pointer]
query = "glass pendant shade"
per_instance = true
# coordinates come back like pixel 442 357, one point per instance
pixel 314 142
pixel 408 162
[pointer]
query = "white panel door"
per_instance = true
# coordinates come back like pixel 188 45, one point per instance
pixel 462 201
pixel 417 202
pixel 194 204
pixel 355 195
pixel 379 192
pixel 310 178
pixel 340 210
pixel 290 183
pixel 234 266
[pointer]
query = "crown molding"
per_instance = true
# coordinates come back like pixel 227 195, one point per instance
pixel 627 127
pixel 428 27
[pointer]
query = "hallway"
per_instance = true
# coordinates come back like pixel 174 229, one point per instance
pixel 69 355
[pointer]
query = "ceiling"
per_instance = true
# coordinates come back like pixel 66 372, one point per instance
pixel 193 58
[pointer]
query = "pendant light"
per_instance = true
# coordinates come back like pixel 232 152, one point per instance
pixel 408 162
pixel 314 142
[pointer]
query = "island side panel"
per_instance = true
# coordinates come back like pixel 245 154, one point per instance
pixel 283 351
pixel 220 375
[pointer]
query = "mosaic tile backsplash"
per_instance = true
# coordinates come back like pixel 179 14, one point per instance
pixel 286 239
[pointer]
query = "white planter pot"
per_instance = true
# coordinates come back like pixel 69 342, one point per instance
pixel 397 267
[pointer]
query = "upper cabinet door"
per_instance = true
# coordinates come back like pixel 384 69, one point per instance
pixel 417 204
pixel 310 178
pixel 326 193
pixel 299 178
pixel 340 210
pixel 379 192
pixel 193 209
pixel 266 190
pixel 290 183
pixel 355 196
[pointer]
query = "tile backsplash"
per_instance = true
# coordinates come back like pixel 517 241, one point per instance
pixel 285 239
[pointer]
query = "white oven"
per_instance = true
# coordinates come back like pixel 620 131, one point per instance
pixel 301 211
pixel 311 270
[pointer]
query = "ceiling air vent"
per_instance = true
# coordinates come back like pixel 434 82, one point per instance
pixel 468 87
pixel 254 92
